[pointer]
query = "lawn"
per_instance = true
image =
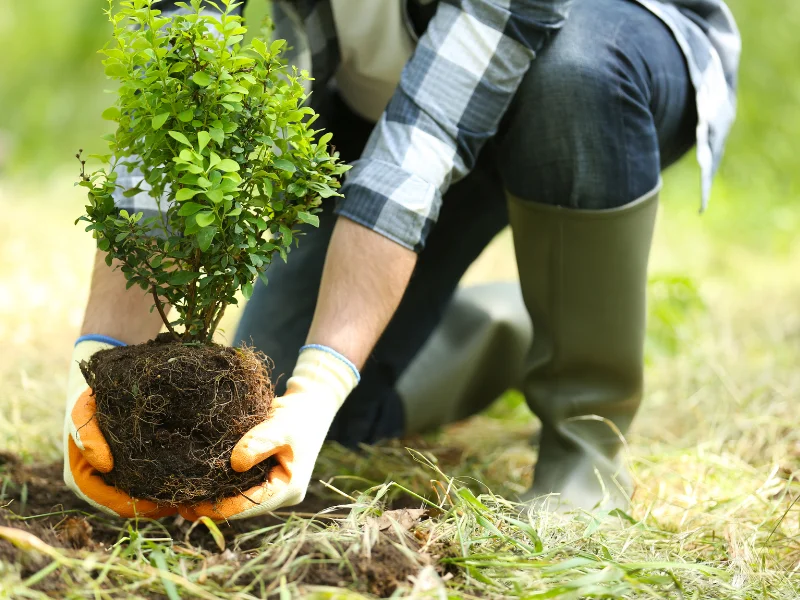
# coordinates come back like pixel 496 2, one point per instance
pixel 715 450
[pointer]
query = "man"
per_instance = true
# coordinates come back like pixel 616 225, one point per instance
pixel 553 116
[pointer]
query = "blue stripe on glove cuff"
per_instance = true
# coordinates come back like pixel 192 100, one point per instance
pixel 94 337
pixel 333 352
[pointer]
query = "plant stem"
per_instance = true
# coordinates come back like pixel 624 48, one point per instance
pixel 208 330
pixel 191 299
pixel 215 324
pixel 160 310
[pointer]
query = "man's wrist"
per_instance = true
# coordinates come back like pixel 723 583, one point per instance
pixel 332 352
pixel 322 368
pixel 103 339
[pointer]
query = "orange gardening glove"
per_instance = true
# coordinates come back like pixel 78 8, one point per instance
pixel 86 452
pixel 293 434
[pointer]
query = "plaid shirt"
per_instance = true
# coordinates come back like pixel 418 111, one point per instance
pixel 458 84
pixel 461 79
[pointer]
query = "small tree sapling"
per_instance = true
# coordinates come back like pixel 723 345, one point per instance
pixel 226 149
pixel 225 145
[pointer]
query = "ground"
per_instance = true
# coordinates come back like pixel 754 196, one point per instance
pixel 715 451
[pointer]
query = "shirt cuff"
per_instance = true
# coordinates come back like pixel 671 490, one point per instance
pixel 390 201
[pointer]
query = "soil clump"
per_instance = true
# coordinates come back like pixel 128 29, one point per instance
pixel 173 412
pixel 381 572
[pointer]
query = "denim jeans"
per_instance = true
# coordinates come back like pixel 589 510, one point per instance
pixel 604 108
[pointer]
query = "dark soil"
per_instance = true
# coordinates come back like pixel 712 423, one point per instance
pixel 380 573
pixel 172 414
pixel 34 499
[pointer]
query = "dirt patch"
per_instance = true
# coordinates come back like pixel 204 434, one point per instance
pixel 379 571
pixel 35 499
pixel 172 414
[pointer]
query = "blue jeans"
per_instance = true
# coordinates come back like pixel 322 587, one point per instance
pixel 602 111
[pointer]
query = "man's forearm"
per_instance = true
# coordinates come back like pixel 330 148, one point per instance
pixel 116 312
pixel 365 277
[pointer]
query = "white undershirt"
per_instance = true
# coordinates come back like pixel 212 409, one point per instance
pixel 374 45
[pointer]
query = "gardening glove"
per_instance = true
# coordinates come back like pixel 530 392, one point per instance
pixel 293 434
pixel 86 452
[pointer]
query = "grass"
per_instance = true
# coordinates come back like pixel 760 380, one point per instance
pixel 715 451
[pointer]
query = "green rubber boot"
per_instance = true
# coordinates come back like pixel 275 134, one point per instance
pixel 584 278
pixel 475 354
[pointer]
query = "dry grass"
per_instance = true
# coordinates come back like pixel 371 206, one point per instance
pixel 716 450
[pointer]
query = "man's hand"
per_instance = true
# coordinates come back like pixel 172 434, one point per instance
pixel 293 434
pixel 86 452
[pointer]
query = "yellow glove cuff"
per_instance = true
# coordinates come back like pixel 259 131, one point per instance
pixel 322 367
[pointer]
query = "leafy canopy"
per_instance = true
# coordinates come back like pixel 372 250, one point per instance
pixel 225 146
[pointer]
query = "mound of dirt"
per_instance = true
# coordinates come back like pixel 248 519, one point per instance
pixel 380 572
pixel 173 412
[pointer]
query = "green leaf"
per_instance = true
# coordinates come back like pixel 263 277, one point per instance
pixel 285 165
pixel 116 69
pixel 228 165
pixel 111 113
pixel 205 236
pixel 247 290
pixel 276 45
pixel 286 235
pixel 201 78
pixel 190 208
pixel 259 46
pixel 186 115
pixel 203 137
pixel 308 218
pixel 186 193
pixel 182 277
pixel 180 137
pixel 205 218
pixel 232 98
pixel 215 195
pixel 159 120
pixel 132 192
pixel 217 135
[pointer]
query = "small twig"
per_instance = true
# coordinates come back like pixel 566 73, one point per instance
pixel 160 310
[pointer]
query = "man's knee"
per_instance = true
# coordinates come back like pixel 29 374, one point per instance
pixel 580 118
pixel 570 79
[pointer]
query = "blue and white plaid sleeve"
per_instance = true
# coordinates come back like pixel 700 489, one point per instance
pixel 452 95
